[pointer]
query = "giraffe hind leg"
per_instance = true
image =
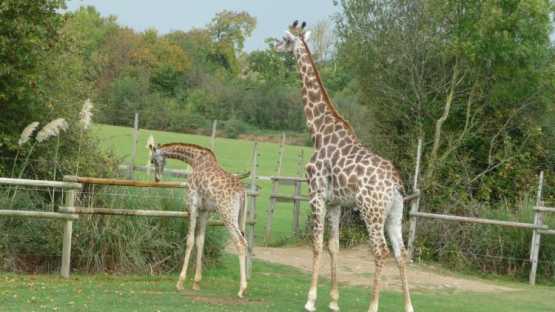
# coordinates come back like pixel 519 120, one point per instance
pixel 334 214
pixel 394 231
pixel 199 242
pixel 380 251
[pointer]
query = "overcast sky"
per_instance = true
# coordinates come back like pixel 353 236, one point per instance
pixel 272 16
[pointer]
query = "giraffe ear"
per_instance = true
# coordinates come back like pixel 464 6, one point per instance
pixel 306 35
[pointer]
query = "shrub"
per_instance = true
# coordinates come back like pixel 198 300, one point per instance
pixel 234 127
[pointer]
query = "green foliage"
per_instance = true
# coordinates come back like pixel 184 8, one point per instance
pixel 234 127
pixel 474 79
pixel 28 37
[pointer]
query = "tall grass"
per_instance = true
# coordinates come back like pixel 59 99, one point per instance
pixel 487 248
pixel 103 243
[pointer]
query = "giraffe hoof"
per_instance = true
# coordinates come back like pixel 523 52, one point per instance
pixel 241 293
pixel 333 306
pixel 310 307
pixel 373 308
pixel 179 286
pixel 196 286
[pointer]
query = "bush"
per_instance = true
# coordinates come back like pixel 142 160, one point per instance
pixel 234 127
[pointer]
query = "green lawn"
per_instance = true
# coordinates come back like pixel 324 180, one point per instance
pixel 272 288
pixel 233 155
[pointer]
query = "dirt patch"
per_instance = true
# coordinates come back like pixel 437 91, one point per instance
pixel 356 267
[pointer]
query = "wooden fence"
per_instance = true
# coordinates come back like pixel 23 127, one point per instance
pixel 70 212
pixel 537 226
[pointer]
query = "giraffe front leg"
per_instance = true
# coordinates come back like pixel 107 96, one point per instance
pixel 193 211
pixel 334 214
pixel 241 246
pixel 319 218
pixel 199 241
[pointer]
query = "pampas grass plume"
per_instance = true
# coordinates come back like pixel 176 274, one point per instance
pixel 27 132
pixel 52 129
pixel 85 116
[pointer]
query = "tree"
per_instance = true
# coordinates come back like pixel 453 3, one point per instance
pixel 232 28
pixel 470 76
pixel 29 33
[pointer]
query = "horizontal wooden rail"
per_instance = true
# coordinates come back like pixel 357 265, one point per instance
pixel 40 183
pixel 412 196
pixel 124 212
pixel 288 198
pixel 544 209
pixel 477 220
pixel 38 214
pixel 285 179
pixel 123 182
pixel 138 212
pixel 167 171
pixel 548 232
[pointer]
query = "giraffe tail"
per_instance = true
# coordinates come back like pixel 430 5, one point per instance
pixel 394 223
pixel 243 210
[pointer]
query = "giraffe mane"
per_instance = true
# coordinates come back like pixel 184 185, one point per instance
pixel 195 146
pixel 327 99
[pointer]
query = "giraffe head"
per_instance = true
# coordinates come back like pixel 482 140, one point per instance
pixel 158 160
pixel 293 38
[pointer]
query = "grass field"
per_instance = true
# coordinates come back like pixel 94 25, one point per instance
pixel 273 288
pixel 233 155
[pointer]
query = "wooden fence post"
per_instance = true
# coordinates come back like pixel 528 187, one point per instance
pixel 275 189
pixel 251 212
pixel 300 163
pixel 414 205
pixel 213 136
pixel 297 208
pixel 536 236
pixel 68 229
pixel 134 145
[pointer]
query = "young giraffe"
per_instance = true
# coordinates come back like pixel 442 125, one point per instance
pixel 344 173
pixel 210 188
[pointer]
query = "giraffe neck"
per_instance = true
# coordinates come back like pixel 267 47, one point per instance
pixel 322 119
pixel 192 154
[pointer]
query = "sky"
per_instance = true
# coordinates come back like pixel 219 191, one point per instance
pixel 273 17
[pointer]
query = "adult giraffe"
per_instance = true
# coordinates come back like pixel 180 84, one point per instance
pixel 344 173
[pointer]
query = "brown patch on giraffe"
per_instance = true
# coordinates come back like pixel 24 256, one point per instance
pixel 328 129
pixel 334 138
pixel 345 150
pixel 317 122
pixel 314 96
pixel 341 162
pixel 308 113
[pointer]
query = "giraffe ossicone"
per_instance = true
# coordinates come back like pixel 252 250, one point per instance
pixel 344 173
pixel 210 189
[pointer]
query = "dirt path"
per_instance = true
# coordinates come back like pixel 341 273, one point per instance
pixel 356 266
